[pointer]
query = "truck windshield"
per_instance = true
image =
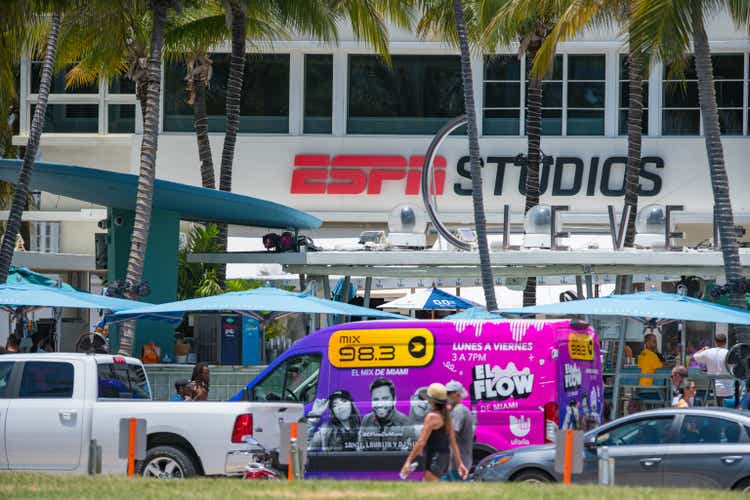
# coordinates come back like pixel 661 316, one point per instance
pixel 122 381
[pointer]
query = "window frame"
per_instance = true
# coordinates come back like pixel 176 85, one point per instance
pixel 669 435
pixel 285 363
pixel 743 437
pixel 22 372
pixel 625 79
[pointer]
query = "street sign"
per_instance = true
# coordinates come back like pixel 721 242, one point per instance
pixel 574 441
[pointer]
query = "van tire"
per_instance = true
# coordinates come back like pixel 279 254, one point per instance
pixel 166 462
pixel 531 476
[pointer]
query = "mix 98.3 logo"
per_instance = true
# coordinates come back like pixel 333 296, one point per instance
pixel 580 346
pixel 398 347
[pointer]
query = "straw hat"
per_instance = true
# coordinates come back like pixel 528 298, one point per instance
pixel 436 392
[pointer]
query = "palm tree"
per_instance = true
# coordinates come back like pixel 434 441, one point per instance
pixel 20 196
pixel 456 25
pixel 145 192
pixel 529 24
pixel 575 17
pixel 318 18
pixel 665 28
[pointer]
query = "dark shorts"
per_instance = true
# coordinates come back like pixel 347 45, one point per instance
pixel 437 462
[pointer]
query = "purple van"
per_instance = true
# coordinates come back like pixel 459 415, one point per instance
pixel 360 386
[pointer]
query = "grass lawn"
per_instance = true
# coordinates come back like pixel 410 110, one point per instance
pixel 46 486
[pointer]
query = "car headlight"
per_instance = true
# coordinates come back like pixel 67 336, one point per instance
pixel 493 460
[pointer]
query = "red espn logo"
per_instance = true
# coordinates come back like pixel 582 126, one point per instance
pixel 357 174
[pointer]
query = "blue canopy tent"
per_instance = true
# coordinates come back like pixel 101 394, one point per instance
pixel 651 308
pixel 430 299
pixel 473 313
pixel 254 303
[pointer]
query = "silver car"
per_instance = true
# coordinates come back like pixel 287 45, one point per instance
pixel 693 447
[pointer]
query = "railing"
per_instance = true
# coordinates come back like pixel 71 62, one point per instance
pixel 226 381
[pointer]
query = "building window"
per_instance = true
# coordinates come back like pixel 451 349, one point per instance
pixel 121 85
pixel 415 95
pixel 502 95
pixel 264 104
pixel 45 237
pixel 552 99
pixel 70 118
pixel 318 94
pixel 681 114
pixel 121 118
pixel 586 88
pixel 58 82
pixel 622 109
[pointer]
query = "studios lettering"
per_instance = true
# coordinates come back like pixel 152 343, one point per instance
pixel 492 383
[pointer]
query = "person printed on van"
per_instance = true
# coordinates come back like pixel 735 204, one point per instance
pixel 463 426
pixel 385 428
pixel 572 416
pixel 183 390
pixel 437 440
pixel 341 432
pixel 200 381
pixel 418 406
pixel 649 360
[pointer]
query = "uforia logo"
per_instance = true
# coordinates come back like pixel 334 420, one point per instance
pixel 520 426
pixel 362 174
pixel 573 376
pixel 497 384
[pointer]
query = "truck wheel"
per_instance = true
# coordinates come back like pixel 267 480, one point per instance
pixel 532 477
pixel 166 462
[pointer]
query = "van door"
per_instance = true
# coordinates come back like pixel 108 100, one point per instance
pixel 44 424
pixel 6 368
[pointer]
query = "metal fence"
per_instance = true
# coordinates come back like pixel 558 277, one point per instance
pixel 226 381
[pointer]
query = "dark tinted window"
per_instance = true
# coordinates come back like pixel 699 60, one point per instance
pixel 75 118
pixel 638 432
pixel 698 429
pixel 295 379
pixel 122 381
pixel 58 82
pixel 415 95
pixel 318 93
pixel 264 103
pixel 5 370
pixel 42 379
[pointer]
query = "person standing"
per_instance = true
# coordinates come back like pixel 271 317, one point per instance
pixel 200 381
pixel 437 440
pixel 649 360
pixel 687 396
pixel 463 426
pixel 181 387
pixel 714 359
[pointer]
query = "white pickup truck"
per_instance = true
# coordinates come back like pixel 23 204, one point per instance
pixel 55 407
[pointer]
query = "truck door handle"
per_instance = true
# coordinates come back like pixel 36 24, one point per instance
pixel 67 414
pixel 731 459
pixel 281 410
pixel 650 462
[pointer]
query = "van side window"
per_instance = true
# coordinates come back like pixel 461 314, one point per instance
pixel 43 379
pixel 295 379
pixel 6 368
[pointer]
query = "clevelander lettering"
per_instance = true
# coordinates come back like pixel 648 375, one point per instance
pixel 497 384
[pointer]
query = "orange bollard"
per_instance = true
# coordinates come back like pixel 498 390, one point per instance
pixel 568 465
pixel 131 448
pixel 292 456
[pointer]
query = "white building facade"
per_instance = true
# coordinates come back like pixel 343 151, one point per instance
pixel 330 130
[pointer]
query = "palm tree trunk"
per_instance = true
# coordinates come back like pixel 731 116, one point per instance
pixel 533 153
pixel 234 93
pixel 21 194
pixel 144 195
pixel 480 222
pixel 201 135
pixel 719 178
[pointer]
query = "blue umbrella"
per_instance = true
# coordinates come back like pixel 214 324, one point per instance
pixel 474 313
pixel 30 295
pixel 644 306
pixel 254 302
pixel 430 299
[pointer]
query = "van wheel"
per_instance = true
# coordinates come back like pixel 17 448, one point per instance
pixel 166 462
pixel 532 477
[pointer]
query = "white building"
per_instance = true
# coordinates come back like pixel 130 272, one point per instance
pixel 330 130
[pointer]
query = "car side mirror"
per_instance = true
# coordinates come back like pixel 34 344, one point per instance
pixel 590 443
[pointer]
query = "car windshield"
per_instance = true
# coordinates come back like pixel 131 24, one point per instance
pixel 295 379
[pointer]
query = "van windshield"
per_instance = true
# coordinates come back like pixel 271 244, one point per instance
pixel 295 379
pixel 122 381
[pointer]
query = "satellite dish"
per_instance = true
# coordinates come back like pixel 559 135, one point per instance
pixel 691 286
pixel 737 361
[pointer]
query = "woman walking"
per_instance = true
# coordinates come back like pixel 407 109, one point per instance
pixel 437 439
pixel 199 382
